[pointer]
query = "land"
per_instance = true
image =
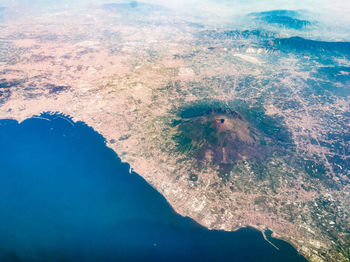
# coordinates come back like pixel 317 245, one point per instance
pixel 235 127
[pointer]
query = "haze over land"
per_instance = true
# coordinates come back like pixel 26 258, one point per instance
pixel 236 111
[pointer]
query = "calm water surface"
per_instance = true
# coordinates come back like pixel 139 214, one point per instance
pixel 65 196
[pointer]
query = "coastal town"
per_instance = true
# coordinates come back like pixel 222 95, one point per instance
pixel 236 127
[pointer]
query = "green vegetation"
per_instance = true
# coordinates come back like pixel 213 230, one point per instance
pixel 254 114
pixel 225 132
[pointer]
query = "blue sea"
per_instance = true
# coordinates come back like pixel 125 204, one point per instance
pixel 65 196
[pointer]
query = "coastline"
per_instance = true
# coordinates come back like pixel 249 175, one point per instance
pixel 134 170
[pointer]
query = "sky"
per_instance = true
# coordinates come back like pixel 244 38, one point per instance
pixel 333 16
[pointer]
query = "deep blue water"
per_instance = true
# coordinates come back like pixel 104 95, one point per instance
pixel 65 196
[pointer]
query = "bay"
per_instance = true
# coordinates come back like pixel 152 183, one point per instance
pixel 66 196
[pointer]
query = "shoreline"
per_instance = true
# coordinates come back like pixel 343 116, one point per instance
pixel 71 120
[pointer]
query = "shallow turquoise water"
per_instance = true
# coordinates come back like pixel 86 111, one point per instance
pixel 65 196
